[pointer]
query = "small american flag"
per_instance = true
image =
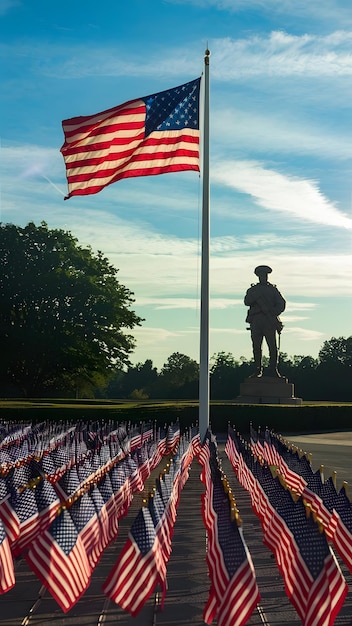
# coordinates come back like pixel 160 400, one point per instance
pixel 340 527
pixel 147 136
pixel 7 573
pixel 59 560
pixel 139 568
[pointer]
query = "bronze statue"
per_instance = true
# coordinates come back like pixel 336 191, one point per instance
pixel 265 305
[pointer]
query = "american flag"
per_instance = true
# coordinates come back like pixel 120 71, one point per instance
pixel 234 593
pixel 87 524
pixel 59 560
pixel 7 573
pixel 313 495
pixel 162 523
pixel 172 437
pixel 36 505
pixel 8 496
pixel 256 443
pixel 139 568
pixel 142 137
pixel 106 489
pixel 340 527
pixel 232 447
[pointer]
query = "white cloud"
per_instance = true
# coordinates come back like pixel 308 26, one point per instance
pixel 300 306
pixel 295 197
pixel 188 303
pixel 277 132
pixel 277 54
pixel 304 334
pixel 282 54
pixel 293 318
pixel 326 10
pixel 227 331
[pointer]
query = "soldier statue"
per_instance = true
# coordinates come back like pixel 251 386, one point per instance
pixel 265 305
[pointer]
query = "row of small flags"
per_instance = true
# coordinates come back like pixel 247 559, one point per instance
pixel 234 593
pixel 73 486
pixel 142 564
pixel 331 509
pixel 312 576
pixel 62 495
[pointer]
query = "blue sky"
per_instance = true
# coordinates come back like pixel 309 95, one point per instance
pixel 280 156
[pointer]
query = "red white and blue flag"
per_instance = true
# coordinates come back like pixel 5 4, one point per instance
pixel 152 135
pixel 59 559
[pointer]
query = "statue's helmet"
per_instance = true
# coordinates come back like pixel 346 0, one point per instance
pixel 262 270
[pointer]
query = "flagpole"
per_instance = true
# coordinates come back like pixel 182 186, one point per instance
pixel 204 304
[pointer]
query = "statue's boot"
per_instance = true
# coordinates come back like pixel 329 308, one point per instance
pixel 258 372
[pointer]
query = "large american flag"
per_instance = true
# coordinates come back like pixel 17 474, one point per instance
pixel 150 135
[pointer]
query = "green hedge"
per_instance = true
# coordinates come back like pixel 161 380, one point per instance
pixel 280 418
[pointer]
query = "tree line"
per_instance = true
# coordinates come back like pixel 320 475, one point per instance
pixel 328 377
pixel 66 326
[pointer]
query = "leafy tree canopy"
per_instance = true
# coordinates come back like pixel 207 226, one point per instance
pixel 337 351
pixel 63 312
pixel 179 369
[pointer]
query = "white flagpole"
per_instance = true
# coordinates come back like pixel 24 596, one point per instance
pixel 204 304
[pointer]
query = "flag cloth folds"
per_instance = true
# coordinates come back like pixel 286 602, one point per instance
pixel 152 135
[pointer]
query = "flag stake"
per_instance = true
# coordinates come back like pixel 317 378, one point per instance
pixel 204 305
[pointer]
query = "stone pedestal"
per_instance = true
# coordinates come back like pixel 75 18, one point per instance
pixel 267 390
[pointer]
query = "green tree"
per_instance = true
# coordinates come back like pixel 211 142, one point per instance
pixel 63 313
pixel 335 369
pixel 179 377
pixel 223 376
pixel 337 351
pixel 139 380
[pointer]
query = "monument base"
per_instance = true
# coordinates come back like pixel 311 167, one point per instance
pixel 267 390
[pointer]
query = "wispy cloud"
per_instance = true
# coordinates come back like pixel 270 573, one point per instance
pixel 8 5
pixel 283 54
pixel 300 306
pixel 273 132
pixel 274 54
pixel 332 10
pixel 188 303
pixel 304 334
pixel 299 198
